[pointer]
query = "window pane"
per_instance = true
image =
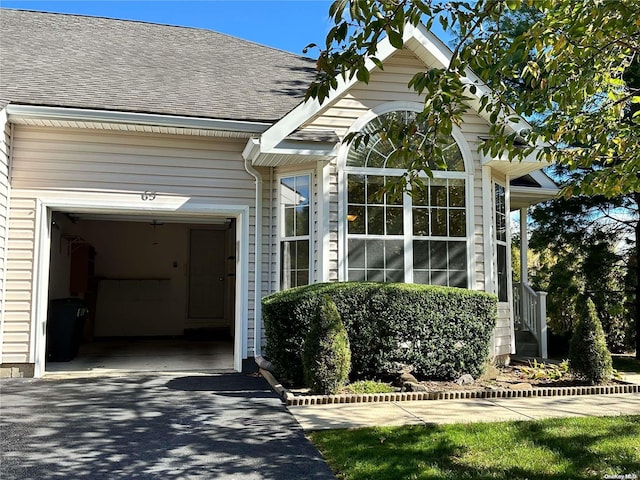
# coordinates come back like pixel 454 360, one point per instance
pixel 375 254
pixel 375 220
pixel 375 186
pixel 456 193
pixel 457 223
pixel 355 219
pixel 302 220
pixel 394 276
pixel 438 192
pixel 302 255
pixel 355 189
pixel 356 253
pixel 421 276
pixel 375 275
pixel 421 222
pixel 502 273
pixel 439 277
pixel 394 254
pixel 457 255
pixel 458 279
pixel 356 275
pixel 439 222
pixel 375 160
pixel 420 255
pixel 394 221
pixel 302 190
pixel 289 218
pixel 438 252
pixel 302 278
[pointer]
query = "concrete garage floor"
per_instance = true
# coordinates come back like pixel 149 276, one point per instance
pixel 148 355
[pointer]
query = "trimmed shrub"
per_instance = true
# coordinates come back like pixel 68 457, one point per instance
pixel 589 357
pixel 326 359
pixel 443 332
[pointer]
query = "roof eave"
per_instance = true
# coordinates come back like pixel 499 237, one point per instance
pixel 20 113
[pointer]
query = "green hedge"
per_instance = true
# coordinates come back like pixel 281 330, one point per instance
pixel 443 332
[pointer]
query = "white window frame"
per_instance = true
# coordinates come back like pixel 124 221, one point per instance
pixel 503 243
pixel 466 175
pixel 280 225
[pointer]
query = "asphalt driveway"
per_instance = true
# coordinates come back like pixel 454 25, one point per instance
pixel 151 426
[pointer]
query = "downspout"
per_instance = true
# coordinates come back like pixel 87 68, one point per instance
pixel 257 305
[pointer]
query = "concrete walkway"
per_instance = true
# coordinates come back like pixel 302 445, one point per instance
pixel 321 417
pixel 151 426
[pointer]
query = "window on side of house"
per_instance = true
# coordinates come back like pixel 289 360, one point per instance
pixel 295 222
pixel 418 238
pixel 501 241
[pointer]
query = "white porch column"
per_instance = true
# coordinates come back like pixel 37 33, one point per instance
pixel 524 247
pixel 541 324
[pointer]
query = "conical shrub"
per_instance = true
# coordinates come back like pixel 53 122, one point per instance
pixel 589 357
pixel 326 358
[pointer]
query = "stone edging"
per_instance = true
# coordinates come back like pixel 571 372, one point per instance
pixel 292 400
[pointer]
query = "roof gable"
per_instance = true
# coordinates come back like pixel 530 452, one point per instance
pixel 105 64
pixel 421 42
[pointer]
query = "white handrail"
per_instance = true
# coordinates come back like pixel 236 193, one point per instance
pixel 530 313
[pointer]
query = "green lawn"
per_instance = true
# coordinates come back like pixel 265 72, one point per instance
pixel 626 364
pixel 554 449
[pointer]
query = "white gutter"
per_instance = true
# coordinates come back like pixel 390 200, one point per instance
pixel 257 304
pixel 19 112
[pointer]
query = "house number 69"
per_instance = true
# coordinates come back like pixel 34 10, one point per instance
pixel 148 196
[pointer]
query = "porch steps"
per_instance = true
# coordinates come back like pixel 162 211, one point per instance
pixel 526 344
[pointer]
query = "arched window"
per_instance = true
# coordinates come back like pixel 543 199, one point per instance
pixel 416 238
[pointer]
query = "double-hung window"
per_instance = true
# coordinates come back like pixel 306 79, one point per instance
pixel 295 222
pixel 501 240
pixel 414 238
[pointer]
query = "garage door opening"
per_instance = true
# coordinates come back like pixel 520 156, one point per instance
pixel 140 294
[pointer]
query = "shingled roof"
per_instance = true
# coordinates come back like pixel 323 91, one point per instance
pixel 98 63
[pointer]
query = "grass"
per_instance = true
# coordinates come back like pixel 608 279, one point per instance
pixel 553 449
pixel 624 363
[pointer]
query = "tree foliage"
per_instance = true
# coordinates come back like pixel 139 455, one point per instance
pixel 572 66
pixel 589 357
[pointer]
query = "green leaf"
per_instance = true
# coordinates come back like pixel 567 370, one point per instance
pixel 395 38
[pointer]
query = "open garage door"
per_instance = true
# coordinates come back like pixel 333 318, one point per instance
pixel 160 293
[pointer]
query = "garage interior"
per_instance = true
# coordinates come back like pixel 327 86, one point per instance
pixel 145 294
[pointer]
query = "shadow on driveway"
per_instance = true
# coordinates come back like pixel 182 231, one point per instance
pixel 151 426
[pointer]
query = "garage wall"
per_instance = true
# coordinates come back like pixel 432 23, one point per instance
pixel 5 142
pixel 203 170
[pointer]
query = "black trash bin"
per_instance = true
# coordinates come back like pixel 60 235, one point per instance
pixel 65 327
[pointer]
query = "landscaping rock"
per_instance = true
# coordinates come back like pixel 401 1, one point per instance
pixel 414 387
pixel 465 379
pixel 521 386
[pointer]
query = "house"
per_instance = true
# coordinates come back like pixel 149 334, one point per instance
pixel 173 176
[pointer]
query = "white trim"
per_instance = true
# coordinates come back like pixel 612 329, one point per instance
pixel 487 222
pixel 467 176
pixel 22 112
pixel 4 245
pixel 40 289
pixel 280 238
pixel 323 182
pixel 121 203
pixel 421 42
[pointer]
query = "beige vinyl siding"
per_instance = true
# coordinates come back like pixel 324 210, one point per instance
pixel 502 332
pixel 386 86
pixel 205 169
pixel 19 285
pixel 5 142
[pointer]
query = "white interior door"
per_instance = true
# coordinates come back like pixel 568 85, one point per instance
pixel 207 274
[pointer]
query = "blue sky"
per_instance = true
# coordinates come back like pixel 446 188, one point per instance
pixel 288 25
pixel 285 24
